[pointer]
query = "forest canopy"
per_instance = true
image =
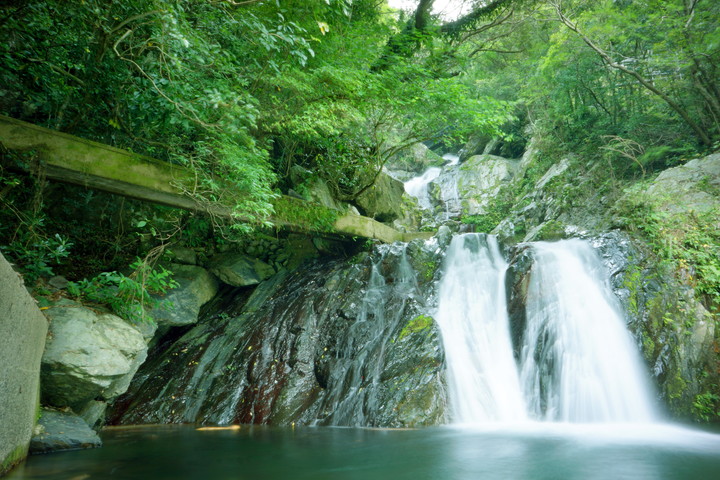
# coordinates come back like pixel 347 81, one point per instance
pixel 245 90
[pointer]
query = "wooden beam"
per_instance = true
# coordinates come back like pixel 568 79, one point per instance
pixel 70 159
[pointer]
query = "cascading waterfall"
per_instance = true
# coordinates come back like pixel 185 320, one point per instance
pixel 578 362
pixel 482 375
pixel 418 186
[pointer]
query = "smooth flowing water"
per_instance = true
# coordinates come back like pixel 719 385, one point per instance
pixel 418 186
pixel 549 451
pixel 578 362
pixel 482 373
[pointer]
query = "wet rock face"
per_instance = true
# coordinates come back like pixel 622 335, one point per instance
pixel 87 356
pixel 517 281
pixel 59 431
pixel 332 344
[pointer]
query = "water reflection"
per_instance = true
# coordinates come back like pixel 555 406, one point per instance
pixel 529 451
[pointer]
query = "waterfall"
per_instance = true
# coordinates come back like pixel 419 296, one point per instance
pixel 418 186
pixel 577 363
pixel 482 375
pixel 452 159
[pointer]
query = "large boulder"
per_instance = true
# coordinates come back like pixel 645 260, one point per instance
pixel 23 330
pixel 694 186
pixel 88 355
pixel 479 181
pixel 383 201
pixel 62 431
pixel 414 160
pixel 471 187
pixel 313 188
pixel 475 145
pixel 181 305
pixel 240 270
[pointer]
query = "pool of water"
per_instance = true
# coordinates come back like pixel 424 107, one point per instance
pixel 528 451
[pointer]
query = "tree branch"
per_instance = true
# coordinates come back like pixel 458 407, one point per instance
pixel 702 135
pixel 467 21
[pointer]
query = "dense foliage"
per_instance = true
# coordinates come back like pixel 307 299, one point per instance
pixel 243 91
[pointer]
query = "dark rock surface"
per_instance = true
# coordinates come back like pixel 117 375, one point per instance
pixel 333 343
pixel 63 431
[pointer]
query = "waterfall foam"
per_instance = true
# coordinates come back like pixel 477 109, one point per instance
pixel 418 186
pixel 578 362
pixel 482 374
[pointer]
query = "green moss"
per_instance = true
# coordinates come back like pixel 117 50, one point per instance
pixel 551 230
pixel 429 269
pixel 676 386
pixel 633 282
pixel 16 456
pixel 707 406
pixel 309 216
pixel 417 324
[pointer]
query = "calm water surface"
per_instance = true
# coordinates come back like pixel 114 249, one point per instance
pixel 529 451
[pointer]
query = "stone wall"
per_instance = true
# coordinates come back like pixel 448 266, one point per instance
pixel 22 340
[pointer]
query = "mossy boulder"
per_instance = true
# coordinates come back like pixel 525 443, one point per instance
pixel 239 270
pixel 383 201
pixel 88 355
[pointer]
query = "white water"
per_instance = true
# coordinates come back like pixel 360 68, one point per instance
pixel 451 158
pixel 578 362
pixel 482 374
pixel 418 186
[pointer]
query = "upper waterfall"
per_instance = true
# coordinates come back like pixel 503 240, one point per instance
pixel 418 186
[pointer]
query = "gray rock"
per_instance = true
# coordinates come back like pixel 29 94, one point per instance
pixel 23 330
pixel 58 282
pixel 475 145
pixel 63 431
pixel 479 181
pixel 415 159
pixel 694 186
pixel 383 201
pixel 444 236
pixel 88 355
pixel 181 305
pixel 471 187
pixel 240 270
pixel 184 255
pixel 94 413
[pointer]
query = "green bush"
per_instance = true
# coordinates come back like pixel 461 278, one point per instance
pixel 127 296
